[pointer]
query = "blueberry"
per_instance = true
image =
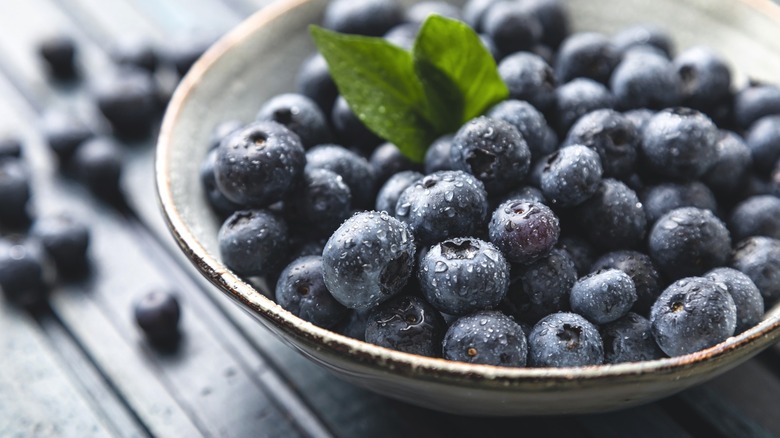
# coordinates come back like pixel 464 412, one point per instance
pixel 128 98
pixel 66 240
pixel 216 199
pixel 774 181
pixel 357 172
pixel 586 55
pixel 354 325
pixel 253 242
pixel 758 257
pixel 643 35
pixel 663 198
pixel 403 35
pixel 64 132
pixel 755 102
pixel 407 323
pixel 369 17
pixel 524 231
pixel 564 340
pixel 692 314
pixel 524 193
pixel 493 151
pixel 688 241
pixel 763 140
pixel 705 78
pixel 582 253
pixel 222 131
pixel 350 130
pixel 486 337
pixel 543 287
pixel 300 115
pixel 98 165
pixel 59 54
pixel 645 80
pixel 388 195
pixel 613 218
pixel 15 191
pixel 445 204
pixel 321 201
pixel 512 27
pixel 24 272
pixel 157 313
pixel 135 51
pixel 529 122
pixel 571 175
pixel 259 164
pixel 529 78
pixel 732 164
pixel 553 17
pixel 603 296
pixel 643 273
pixel 301 290
pixel 747 298
pixel 10 147
pixel 474 11
pixel 639 118
pixel 756 216
pixel 183 50
pixel 463 275
pixel 314 81
pixel 679 143
pixel 629 339
pixel 577 98
pixel 387 160
pixel 368 259
pixel 438 157
pixel 612 135
pixel 419 12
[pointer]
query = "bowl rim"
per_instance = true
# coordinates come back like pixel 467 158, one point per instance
pixel 392 361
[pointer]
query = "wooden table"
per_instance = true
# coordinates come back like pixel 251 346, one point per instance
pixel 81 368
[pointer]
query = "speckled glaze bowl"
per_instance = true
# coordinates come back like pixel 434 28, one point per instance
pixel 259 59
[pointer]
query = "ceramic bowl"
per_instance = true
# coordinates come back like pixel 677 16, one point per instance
pixel 259 59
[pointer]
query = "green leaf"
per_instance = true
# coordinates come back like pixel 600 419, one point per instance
pixel 455 50
pixel 378 81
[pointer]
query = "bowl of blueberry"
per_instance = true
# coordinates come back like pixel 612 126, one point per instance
pixel 491 207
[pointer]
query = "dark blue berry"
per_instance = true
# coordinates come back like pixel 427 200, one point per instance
pixel 128 98
pixel 10 147
pixel 417 13
pixel 349 130
pixel 663 198
pixel 763 140
pixel 157 313
pixel 184 49
pixel 387 198
pixel 629 339
pixel 356 171
pixel 577 98
pixel 98 164
pixel 493 151
pixel 438 157
pixel 756 216
pixel 300 115
pixel 64 132
pixel 603 296
pixel 253 242
pixel 59 54
pixel 529 78
pixel 613 218
pixel 755 102
pixel 445 204
pixel 403 35
pixel 705 78
pixel 643 273
pixel 643 35
pixel 586 55
pixel 66 240
pixel 354 326
pixel 747 298
pixel 24 274
pixel 217 200
pixel 524 193
pixel 387 160
pixel 407 323
pixel 639 118
pixel 529 122
pixel 301 290
pixel 474 11
pixel 645 80
pixel 512 27
pixel 368 17
pixel 486 337
pixel 135 52
pixel 758 257
pixel 314 81
pixel 564 340
pixel 582 253
pixel 543 287
pixel 368 259
pixel 733 162
pixel 571 175
pixel 321 201
pixel 463 275
pixel 524 231
pixel 692 314
pixel 610 134
pixel 553 17
pixel 15 191
pixel 259 164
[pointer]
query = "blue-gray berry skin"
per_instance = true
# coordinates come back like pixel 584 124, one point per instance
pixel 603 296
pixel 388 195
pixel 354 325
pixel 571 175
pixel 613 218
pixel 529 122
pixel 253 242
pixel 733 163
pixel 387 160
pixel 66 240
pixel 442 205
pixel 314 81
pixel 59 52
pixel 23 272
pixel 259 164
pixel 629 339
pixel 217 200
pixel 763 140
pixel 564 340
pixel 486 337
pixel 758 257
pixel 97 164
pixel 688 241
pixel 705 78
pixel 223 131
pixel 301 290
pixel 754 102
pixel 407 323
pixel 354 169
pixel 582 253
pixel 512 27
pixel 756 216
pixel 300 115
pixel 64 132
pixel 493 151
pixel 679 143
pixel 643 35
pixel 612 135
pixel 419 12
pixel 437 157
pixel 463 275
pixel 403 35
pixel 747 298
pixel 524 231
pixel 645 80
pixel 663 198
pixel 128 98
pixel 640 267
pixel 639 117
pixel 554 18
pixel 10 147
pixel 542 287
pixel 586 55
pixel 349 130
pixel 576 98
pixel 474 11
pixel 321 201
pixel 369 17
pixel 529 78
pixel 368 259
pixel 15 191
pixel 157 314
pixel 692 314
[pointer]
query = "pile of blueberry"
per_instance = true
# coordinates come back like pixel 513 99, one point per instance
pixel 622 204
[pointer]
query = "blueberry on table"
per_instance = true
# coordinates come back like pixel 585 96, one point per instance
pixel 184 50
pixel 688 241
pixel 321 201
pixel 15 191
pixel 442 205
pixel 10 147
pixel 692 314
pixel 640 267
pixel 512 27
pixel 643 35
pixel 357 172
pixel 755 102
pixel 763 140
pixel 253 242
pixel 129 100
pixel 406 323
pixel 388 195
pixel 24 272
pixel 758 257
pixel 542 287
pixel 301 290
pixel 157 313
pixel 216 199
pixel 756 216
pixel 575 99
pixel 59 54
pixel 733 162
pixel 603 296
pixel 387 160
pixel 586 55
pixel 64 132
pixel 259 164
pixel 437 156
pixel 747 298
pixel 367 17
pixel 529 122
pixel 645 79
pixel 66 240
pixel 571 175
pixel 529 78
pixel 368 259
pixel 486 337
pixel 300 115
pixel 612 135
pixel 134 51
pixel 705 78
pixel 613 218
pixel 524 231
pixel 663 198
pixel 98 165
pixel 493 151
pixel 629 339
pixel 564 340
